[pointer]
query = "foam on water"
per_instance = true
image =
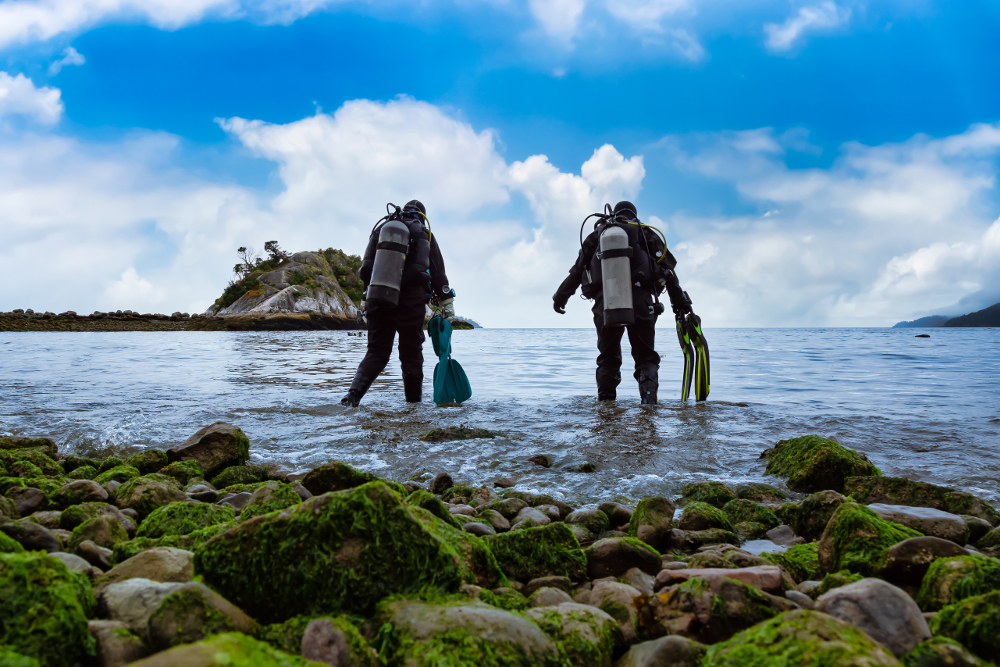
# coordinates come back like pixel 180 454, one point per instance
pixel 927 409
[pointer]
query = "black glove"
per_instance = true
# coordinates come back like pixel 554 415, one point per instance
pixel 559 305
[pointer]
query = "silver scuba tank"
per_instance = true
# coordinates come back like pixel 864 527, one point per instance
pixel 390 258
pixel 616 273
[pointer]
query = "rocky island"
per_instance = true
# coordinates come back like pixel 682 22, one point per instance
pixel 193 557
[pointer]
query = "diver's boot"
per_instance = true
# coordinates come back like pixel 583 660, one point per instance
pixel 413 386
pixel 647 392
pixel 352 399
pixel 359 387
pixel 606 397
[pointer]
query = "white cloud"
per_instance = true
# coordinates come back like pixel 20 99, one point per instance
pixel 70 57
pixel 19 96
pixel 558 18
pixel 822 16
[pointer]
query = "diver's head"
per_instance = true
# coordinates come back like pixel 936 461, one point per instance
pixel 414 206
pixel 625 209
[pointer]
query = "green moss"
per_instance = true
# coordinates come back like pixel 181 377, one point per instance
pixel 801 561
pixel 45 609
pixel 458 491
pixel 335 476
pixel 103 530
pixel 700 538
pixel 349 551
pixel 126 550
pixel 244 488
pixel 812 463
pixel 702 516
pixel 651 511
pixel 951 580
pixel 859 537
pixel 184 471
pixel 510 600
pixel 11 658
pixel 834 580
pixel 8 509
pixel 760 493
pixel 147 493
pixel 75 515
pixel 25 469
pixel 8 545
pixel 530 553
pixel 73 462
pixel 109 463
pixel 584 639
pixel 902 491
pixel 272 497
pixel 83 472
pixel 814 513
pixel 433 504
pixel 787 512
pixel 150 460
pixel 35 457
pixel 974 623
pixel 938 652
pixel 716 494
pixel 198 618
pixel 183 518
pixel 287 636
pixel 122 474
pixel 741 510
pixel 799 638
pixel 240 475
pixel 231 649
pixel 44 445
pixel 47 484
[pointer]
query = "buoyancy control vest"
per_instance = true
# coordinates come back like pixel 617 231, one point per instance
pixel 620 262
pixel 402 257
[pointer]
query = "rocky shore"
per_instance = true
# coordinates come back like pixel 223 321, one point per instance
pixel 127 320
pixel 193 557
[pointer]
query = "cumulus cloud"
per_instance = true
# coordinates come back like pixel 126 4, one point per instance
pixel 19 96
pixel 70 57
pixel 814 18
pixel 558 18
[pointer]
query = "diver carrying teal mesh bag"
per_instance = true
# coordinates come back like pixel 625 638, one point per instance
pixel 451 385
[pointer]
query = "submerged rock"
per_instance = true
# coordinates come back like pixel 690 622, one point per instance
pixel 885 613
pixel 855 539
pixel 812 463
pixel 216 447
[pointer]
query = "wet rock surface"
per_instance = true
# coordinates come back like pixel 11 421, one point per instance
pixel 884 612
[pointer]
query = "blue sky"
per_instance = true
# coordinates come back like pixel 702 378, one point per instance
pixel 819 163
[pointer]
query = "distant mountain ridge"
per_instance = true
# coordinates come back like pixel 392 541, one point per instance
pixel 987 317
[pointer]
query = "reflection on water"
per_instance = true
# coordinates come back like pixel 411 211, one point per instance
pixel 925 408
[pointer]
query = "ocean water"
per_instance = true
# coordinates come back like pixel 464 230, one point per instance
pixel 924 408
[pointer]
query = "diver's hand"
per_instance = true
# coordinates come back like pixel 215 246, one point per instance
pixel 448 308
pixel 559 306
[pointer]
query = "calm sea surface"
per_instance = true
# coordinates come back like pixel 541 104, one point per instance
pixel 927 409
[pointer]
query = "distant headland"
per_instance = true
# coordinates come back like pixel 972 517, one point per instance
pixel 987 317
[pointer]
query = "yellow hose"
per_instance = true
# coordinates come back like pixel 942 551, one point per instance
pixel 662 256
pixel 430 235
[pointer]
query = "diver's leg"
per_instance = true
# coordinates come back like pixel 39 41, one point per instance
pixel 641 336
pixel 381 332
pixel 609 359
pixel 410 325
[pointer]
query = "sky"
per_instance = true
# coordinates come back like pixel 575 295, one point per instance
pixel 817 163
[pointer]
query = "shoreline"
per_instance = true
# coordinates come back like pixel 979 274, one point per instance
pixel 129 321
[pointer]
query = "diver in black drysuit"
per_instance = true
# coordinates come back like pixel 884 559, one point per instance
pixel 406 318
pixel 641 335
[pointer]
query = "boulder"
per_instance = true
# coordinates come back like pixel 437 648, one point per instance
pixel 188 542
pixel 28 500
pixel 561 583
pixel 103 530
pixel 884 612
pixel 855 538
pixel 117 645
pixel 652 522
pixel 742 510
pixel 45 609
pixel 978 528
pixel 231 648
pixel 901 491
pixel 120 474
pixel 335 476
pixel 670 651
pixel 236 501
pixel 595 521
pixel 639 580
pixel 494 519
pixel 8 509
pixel 529 517
pixel 351 550
pixel 162 564
pixel 150 460
pixel 73 562
pixel 702 516
pixel 618 514
pixel 134 600
pixel 31 536
pixel 830 582
pixel 612 557
pixel 706 610
pixel 77 492
pixel 479 529
pixel 468 633
pixel 272 497
pixel 715 494
pixel 78 514
pixel 765 578
pixel 812 463
pixel 241 475
pixel 588 636
pixel 508 507
pixel 428 501
pixel 618 601
pixel 926 520
pixel 801 600
pixel 191 613
pixel 13 442
pixel 941 652
pixel 801 561
pixel 951 580
pixel 36 458
pixel 694 539
pixel 441 483
pixel 184 472
pixel 548 597
pixel 539 552
pixel 761 493
pixel 544 499
pixel 812 515
pixel 147 493
pixel 335 641
pixel 109 463
pixel 183 518
pixel 973 623
pixel 906 563
pixel 216 447
pixel 800 637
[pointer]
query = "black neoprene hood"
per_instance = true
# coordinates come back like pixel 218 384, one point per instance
pixel 626 207
pixel 413 203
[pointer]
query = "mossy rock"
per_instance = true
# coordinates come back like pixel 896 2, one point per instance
pixel 586 636
pixel 109 463
pixel 463 432
pixel 25 469
pixel 812 463
pixel 35 457
pixel 44 445
pixel 742 510
pixel 951 580
pixel 702 516
pixel 974 623
pixel 240 475
pixel 103 530
pixel 940 652
pixel 834 580
pixel 74 516
pixel 8 545
pixel 433 504
pixel 231 649
pixel 715 494
pixel 73 462
pixel 45 609
pixel 760 493
pixel 335 476
pixel 83 472
pixel 787 512
pixel 286 636
pixel 855 539
pixel 801 561
pixel 244 488
pixel 350 550
pixel 183 471
pixel 11 658
pixel 50 485
pixel 652 520
pixel 702 538
pixel 459 491
pixel 508 599
pixel 121 474
pixel 147 493
pixel 814 513
pixel 148 461
pixel 134 547
pixel 902 491
pixel 183 518
pixel 272 497
pixel 800 638
pixel 530 553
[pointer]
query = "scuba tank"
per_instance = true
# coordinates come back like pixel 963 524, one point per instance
pixel 615 254
pixel 390 260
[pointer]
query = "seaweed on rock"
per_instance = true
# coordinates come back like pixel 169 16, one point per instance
pixel 801 561
pixel 973 622
pixel 812 463
pixel 231 649
pixel 121 474
pixel 183 518
pixel 529 553
pixel 951 580
pixel 271 497
pixel 125 550
pixel 856 538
